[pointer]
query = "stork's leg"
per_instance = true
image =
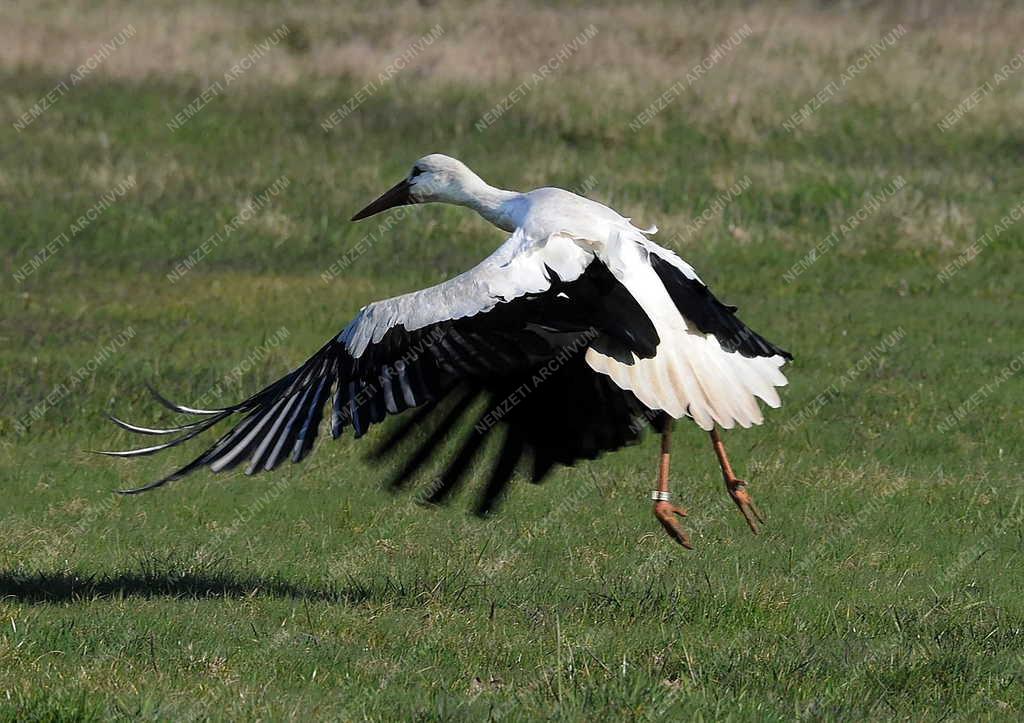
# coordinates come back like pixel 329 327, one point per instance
pixel 664 510
pixel 737 488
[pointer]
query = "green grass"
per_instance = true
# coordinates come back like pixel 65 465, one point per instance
pixel 887 582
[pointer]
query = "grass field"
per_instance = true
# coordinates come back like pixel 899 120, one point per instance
pixel 887 583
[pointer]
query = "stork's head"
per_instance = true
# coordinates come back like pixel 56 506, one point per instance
pixel 435 177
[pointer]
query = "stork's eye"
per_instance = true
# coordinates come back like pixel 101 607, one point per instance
pixel 416 170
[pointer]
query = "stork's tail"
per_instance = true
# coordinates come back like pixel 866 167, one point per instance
pixel 692 375
pixel 709 365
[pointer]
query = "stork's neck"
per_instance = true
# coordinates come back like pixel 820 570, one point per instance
pixel 494 204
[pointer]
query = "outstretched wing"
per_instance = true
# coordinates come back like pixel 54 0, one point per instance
pixel 557 413
pixel 527 306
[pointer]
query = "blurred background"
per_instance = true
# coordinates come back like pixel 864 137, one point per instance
pixel 176 181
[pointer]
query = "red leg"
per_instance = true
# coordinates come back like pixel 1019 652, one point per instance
pixel 664 510
pixel 737 488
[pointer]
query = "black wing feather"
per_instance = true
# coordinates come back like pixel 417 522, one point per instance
pixel 696 302
pixel 572 414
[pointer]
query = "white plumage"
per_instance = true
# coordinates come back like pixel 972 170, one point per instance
pixel 613 326
pixel 691 374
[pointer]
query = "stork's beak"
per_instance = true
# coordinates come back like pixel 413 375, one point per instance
pixel 397 195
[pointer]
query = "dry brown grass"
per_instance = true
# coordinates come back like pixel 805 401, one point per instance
pixel 949 48
pixel 640 50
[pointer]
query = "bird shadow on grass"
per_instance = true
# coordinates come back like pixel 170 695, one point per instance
pixel 55 587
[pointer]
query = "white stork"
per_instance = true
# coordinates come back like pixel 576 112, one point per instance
pixel 579 330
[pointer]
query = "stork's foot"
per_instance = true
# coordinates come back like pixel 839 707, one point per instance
pixel 738 491
pixel 666 512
